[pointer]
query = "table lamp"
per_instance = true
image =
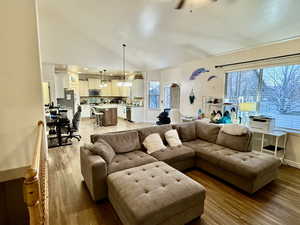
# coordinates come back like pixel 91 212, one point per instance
pixel 246 108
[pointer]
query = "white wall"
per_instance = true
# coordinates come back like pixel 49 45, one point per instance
pixel 181 74
pixel 20 83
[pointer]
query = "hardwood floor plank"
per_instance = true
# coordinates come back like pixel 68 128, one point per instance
pixel 277 203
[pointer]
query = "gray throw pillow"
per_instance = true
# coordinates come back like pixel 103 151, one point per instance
pixel 122 142
pixel 235 142
pixel 207 131
pixel 103 149
pixel 187 132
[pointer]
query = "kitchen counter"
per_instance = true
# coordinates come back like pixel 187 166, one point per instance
pixel 137 112
pixel 105 106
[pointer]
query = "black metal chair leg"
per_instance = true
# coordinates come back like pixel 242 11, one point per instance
pixel 77 138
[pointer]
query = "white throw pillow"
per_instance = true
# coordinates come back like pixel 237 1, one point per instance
pixel 234 129
pixel 173 138
pixel 153 143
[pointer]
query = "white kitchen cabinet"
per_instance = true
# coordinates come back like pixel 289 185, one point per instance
pixel 137 114
pixel 115 89
pixel 85 111
pixel 124 91
pixel 138 88
pixel 83 88
pixel 106 91
pixel 94 83
pixel 59 80
pixel 66 80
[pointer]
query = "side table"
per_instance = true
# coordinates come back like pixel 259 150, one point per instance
pixel 272 148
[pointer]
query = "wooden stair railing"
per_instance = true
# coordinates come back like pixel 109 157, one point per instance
pixel 35 188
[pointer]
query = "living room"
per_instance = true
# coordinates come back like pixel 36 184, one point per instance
pixel 172 112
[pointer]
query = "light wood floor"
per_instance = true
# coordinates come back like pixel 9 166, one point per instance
pixel 277 203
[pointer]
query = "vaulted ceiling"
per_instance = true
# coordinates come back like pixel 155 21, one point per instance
pixel 91 32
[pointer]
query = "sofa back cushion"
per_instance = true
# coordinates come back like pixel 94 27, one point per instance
pixel 207 131
pixel 121 142
pixel 186 131
pixel 161 130
pixel 236 142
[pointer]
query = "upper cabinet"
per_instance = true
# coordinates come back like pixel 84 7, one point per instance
pixel 83 88
pixel 138 88
pixel 94 83
pixel 112 88
pixel 124 91
pixel 106 91
pixel 60 85
pixel 115 89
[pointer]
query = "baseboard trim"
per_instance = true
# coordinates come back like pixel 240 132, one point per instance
pixel 292 163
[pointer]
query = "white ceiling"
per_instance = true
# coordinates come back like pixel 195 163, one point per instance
pixel 91 32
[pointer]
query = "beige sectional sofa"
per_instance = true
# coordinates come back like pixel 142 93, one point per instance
pixel 205 146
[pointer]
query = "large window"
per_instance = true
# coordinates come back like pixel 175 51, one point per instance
pixel 154 94
pixel 276 91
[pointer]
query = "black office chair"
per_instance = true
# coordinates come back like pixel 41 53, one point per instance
pixel 75 125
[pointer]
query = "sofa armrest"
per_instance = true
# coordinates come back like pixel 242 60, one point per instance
pixel 94 172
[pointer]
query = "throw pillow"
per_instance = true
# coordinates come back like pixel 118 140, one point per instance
pixel 172 138
pixel 153 143
pixel 121 142
pixel 103 149
pixel 188 132
pixel 234 129
pixel 236 142
pixel 207 132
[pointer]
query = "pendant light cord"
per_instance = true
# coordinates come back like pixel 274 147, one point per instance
pixel 124 46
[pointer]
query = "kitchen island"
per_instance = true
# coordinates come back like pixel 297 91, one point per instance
pixel 135 114
pixel 110 114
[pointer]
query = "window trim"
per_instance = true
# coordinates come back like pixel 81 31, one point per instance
pixel 164 96
pixel 158 107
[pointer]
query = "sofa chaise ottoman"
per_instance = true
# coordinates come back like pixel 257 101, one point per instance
pixel 155 194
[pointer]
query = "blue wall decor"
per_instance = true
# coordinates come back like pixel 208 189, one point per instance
pixel 211 77
pixel 197 72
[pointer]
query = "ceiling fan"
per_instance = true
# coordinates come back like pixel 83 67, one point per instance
pixel 182 3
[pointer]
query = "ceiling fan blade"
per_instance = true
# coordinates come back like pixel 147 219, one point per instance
pixel 180 4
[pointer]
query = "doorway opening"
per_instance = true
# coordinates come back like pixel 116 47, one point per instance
pixel 172 101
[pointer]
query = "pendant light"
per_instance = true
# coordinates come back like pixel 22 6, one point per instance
pixel 124 83
pixel 102 83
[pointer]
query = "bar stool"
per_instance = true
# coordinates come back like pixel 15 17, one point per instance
pixel 98 117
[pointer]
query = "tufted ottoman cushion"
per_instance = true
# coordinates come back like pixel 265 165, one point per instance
pixel 155 194
pixel 129 160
